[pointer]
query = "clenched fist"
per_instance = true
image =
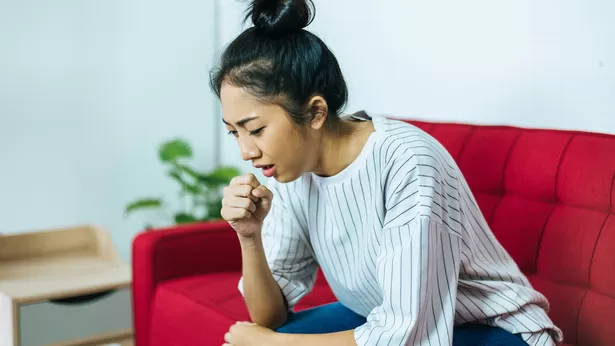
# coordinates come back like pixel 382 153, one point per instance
pixel 245 204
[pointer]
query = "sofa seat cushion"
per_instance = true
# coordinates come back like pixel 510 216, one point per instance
pixel 193 311
pixel 198 310
pixel 578 310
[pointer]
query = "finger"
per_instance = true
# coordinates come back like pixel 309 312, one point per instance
pixel 246 179
pixel 266 199
pixel 232 214
pixel 235 214
pixel 240 191
pixel 227 337
pixel 240 202
pixel 262 192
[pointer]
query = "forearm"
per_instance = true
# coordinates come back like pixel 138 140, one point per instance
pixel 262 293
pixel 345 338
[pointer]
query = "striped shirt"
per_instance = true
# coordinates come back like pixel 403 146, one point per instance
pixel 401 241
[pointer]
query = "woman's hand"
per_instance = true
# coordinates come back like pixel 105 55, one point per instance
pixel 249 334
pixel 245 205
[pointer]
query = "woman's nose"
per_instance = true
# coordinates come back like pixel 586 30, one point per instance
pixel 248 150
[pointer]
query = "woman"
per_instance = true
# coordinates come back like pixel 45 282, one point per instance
pixel 378 204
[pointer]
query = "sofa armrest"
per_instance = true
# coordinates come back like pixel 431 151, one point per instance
pixel 175 252
pixel 186 250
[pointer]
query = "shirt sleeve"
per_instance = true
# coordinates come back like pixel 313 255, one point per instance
pixel 417 272
pixel 417 266
pixel 288 254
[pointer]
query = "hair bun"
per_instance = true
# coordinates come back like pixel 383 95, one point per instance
pixel 280 16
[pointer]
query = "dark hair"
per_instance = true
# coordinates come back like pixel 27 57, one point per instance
pixel 280 62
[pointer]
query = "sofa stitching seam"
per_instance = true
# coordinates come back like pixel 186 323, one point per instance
pixel 612 192
pixel 559 166
pixel 579 316
pixel 542 233
pixel 506 160
pixel 591 260
pixel 571 285
pixel 465 142
pixel 200 302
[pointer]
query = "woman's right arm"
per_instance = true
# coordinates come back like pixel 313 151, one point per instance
pixel 277 265
pixel 261 292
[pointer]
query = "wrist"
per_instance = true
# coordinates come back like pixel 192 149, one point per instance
pixel 252 242
pixel 277 339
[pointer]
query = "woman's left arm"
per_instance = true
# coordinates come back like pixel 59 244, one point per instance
pixel 251 334
pixel 417 269
pixel 345 338
pixel 417 272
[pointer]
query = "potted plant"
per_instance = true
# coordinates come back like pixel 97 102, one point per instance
pixel 200 192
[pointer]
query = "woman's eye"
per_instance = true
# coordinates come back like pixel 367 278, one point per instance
pixel 233 133
pixel 256 132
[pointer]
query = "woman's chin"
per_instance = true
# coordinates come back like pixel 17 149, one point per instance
pixel 285 178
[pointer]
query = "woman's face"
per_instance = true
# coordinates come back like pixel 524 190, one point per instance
pixel 266 135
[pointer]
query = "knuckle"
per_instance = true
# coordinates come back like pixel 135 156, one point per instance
pixel 250 205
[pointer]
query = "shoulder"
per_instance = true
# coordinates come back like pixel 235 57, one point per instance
pixel 419 177
pixel 403 147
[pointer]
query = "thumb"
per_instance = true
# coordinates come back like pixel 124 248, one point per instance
pixel 265 196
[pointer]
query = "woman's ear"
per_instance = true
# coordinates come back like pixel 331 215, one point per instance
pixel 318 110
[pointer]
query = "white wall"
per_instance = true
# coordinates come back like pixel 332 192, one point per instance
pixel 547 64
pixel 88 90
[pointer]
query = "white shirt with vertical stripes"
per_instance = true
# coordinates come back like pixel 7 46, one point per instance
pixel 401 241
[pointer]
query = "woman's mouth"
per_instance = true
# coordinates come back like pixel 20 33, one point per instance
pixel 268 170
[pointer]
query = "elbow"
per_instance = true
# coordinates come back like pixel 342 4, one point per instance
pixel 270 321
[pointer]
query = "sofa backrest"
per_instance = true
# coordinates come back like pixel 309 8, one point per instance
pixel 549 198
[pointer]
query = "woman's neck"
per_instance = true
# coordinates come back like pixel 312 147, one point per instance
pixel 342 145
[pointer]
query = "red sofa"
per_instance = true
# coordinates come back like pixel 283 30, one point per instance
pixel 548 195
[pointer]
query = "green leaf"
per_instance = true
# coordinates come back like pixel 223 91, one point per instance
pixel 214 209
pixel 184 218
pixel 188 170
pixel 225 173
pixel 187 187
pixel 220 176
pixel 145 203
pixel 174 150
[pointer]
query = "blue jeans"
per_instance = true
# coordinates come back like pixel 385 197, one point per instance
pixel 335 317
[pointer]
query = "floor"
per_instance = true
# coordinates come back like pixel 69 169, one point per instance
pixel 123 342
pixel 126 342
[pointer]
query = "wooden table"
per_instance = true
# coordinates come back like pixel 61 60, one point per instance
pixel 37 267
